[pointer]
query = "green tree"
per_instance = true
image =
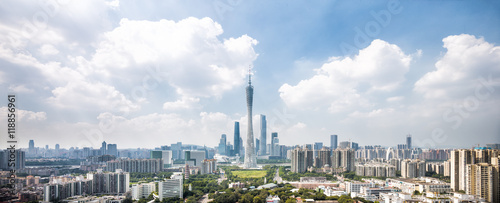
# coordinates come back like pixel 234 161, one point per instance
pixel 258 199
pixel 345 199
pixel 246 198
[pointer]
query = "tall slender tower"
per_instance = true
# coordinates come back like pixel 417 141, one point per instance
pixel 263 135
pixel 250 159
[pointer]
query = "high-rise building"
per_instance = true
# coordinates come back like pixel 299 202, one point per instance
pixel 317 147
pixel 32 147
pixel 176 150
pixel 343 158
pixel 223 145
pixel 274 138
pixel 483 180
pixel 345 145
pixel 115 183
pixel 237 138
pixel 135 165
pixel 408 142
pixel 250 158
pixel 194 158
pixel 57 147
pixel 333 142
pixel 103 148
pixel 257 146
pixel 20 158
pixel 412 168
pixel 170 188
pixel 298 157
pixel 324 157
pixel 112 150
pixel 354 146
pixel 165 155
pixel 142 190
pixel 263 135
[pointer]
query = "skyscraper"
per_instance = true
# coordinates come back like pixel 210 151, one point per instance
pixel 32 147
pixel 103 148
pixel 317 147
pixel 333 142
pixel 263 135
pixel 236 138
pixel 408 141
pixel 250 159
pixel 222 145
pixel 274 138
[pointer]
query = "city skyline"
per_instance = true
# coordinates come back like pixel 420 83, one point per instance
pixel 152 74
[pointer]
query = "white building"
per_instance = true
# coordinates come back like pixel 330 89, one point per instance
pixel 170 188
pixel 142 190
pixel 356 186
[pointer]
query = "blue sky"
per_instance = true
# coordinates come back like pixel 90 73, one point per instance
pixel 151 73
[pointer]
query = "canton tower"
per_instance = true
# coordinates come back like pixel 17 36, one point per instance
pixel 250 159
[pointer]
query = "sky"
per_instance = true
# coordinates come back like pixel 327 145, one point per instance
pixel 142 74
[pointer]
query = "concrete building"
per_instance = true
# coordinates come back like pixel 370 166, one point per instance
pixel 411 168
pixel 142 190
pixel 194 158
pixel 263 135
pixel 483 180
pixel 333 142
pixel 170 188
pixel 135 165
pixel 164 155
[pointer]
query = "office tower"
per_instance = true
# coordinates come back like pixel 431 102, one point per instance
pixel 333 142
pixel 263 135
pixel 194 158
pixel 176 150
pixel 317 147
pixel 250 159
pixel 170 188
pixel 112 150
pixel 345 145
pixel 236 150
pixel 257 146
pixel 165 155
pixel 31 149
pixel 57 147
pixel 223 145
pixel 408 142
pixel 274 137
pixel 483 180
pixel 47 147
pixel 354 146
pixel 103 148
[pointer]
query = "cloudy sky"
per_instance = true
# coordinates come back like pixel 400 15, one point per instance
pixel 151 73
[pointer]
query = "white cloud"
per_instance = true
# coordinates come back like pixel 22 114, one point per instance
pixel 183 103
pixel 20 89
pixel 91 96
pixel 48 49
pixel 342 84
pixel 190 56
pixel 458 72
pixel 24 115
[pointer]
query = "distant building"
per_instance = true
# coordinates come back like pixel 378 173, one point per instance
pixel 237 139
pixel 114 183
pixel 222 145
pixel 263 135
pixel 317 147
pixel 112 150
pixel 209 166
pixel 164 155
pixel 408 142
pixel 333 142
pixel 103 148
pixel 19 163
pixel 194 158
pixel 135 165
pixel 412 168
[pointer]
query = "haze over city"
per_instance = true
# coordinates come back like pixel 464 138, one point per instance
pixel 155 73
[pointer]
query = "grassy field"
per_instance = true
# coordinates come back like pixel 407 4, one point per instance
pixel 250 173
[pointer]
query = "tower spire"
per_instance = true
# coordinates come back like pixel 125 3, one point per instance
pixel 249 75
